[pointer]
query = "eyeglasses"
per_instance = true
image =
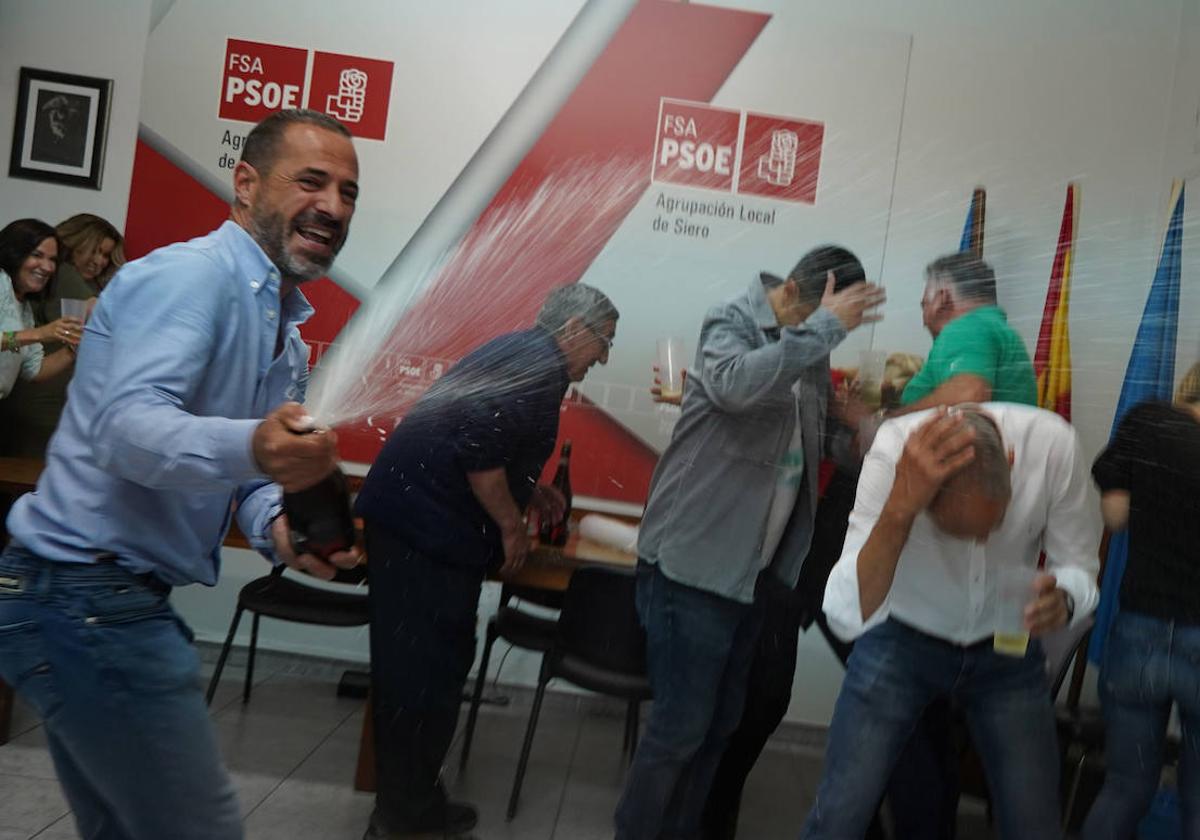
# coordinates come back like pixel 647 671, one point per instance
pixel 607 341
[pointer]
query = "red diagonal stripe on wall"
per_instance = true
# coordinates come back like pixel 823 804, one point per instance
pixel 664 49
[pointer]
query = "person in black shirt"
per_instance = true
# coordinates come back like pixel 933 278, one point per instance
pixel 443 506
pixel 1149 478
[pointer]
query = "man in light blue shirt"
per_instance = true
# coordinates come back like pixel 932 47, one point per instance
pixel 186 353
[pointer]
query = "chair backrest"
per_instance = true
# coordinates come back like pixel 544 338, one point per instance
pixel 355 576
pixel 1060 648
pixel 599 621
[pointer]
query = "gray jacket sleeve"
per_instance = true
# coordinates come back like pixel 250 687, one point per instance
pixel 738 370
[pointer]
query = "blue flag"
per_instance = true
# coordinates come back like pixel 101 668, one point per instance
pixel 965 243
pixel 1149 376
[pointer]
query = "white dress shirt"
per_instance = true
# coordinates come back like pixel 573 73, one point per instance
pixel 947 587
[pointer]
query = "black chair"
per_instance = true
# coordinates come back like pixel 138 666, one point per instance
pixel 1061 649
pixel 288 599
pixel 519 628
pixel 600 646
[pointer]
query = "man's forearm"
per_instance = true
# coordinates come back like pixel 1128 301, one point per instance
pixel 491 489
pixel 965 387
pixel 878 558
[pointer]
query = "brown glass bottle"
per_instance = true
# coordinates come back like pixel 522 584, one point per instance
pixel 552 532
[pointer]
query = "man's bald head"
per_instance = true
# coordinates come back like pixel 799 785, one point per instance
pixel 972 502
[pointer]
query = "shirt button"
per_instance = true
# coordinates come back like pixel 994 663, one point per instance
pixel 254 284
pixel 270 314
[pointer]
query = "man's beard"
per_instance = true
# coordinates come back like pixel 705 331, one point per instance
pixel 271 232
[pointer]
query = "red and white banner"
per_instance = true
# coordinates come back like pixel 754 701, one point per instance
pixel 694 146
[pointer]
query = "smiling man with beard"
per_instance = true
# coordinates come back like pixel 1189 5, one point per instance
pixel 187 352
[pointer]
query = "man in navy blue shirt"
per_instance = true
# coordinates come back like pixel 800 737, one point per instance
pixel 443 506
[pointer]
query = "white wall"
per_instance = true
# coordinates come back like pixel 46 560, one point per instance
pixel 106 40
pixel 1019 97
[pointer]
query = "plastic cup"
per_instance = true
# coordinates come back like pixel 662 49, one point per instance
pixel 871 365
pixel 671 363
pixel 1014 591
pixel 74 308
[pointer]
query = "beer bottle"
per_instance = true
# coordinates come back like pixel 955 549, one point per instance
pixel 551 532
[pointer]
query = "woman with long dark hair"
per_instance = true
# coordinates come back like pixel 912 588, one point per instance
pixel 28 260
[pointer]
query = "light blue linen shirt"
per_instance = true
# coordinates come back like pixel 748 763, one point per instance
pixel 175 370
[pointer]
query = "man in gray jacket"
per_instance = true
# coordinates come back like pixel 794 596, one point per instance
pixel 730 513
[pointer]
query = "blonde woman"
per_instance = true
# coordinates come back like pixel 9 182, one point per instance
pixel 93 250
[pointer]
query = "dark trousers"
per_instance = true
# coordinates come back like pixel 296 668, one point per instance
pixel 699 648
pixel 768 693
pixel 422 646
pixel 922 796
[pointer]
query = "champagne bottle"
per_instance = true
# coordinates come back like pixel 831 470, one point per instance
pixel 554 532
pixel 319 517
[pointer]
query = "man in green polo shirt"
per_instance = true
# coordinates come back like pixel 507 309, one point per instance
pixel 976 355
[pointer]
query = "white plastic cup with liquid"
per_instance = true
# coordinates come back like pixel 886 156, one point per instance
pixel 871 365
pixel 74 308
pixel 1014 592
pixel 671 364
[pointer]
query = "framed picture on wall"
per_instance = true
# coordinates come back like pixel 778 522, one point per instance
pixel 61 128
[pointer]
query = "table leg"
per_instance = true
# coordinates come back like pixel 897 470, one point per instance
pixel 364 772
pixel 6 710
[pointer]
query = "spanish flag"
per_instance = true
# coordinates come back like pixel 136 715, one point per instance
pixel 1052 361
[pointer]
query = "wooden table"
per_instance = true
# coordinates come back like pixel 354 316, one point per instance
pixel 19 475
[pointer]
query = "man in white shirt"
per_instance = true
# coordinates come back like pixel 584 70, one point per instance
pixel 947 499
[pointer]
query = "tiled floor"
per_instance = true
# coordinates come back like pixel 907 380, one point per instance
pixel 292 752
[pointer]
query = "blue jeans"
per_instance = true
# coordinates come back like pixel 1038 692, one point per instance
pixel 699 650
pixel 105 661
pixel 1148 664
pixel 894 673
